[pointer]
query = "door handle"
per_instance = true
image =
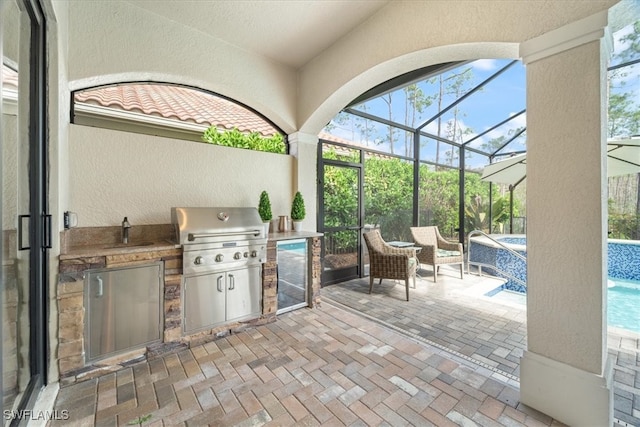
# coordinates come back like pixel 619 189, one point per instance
pixel 47 231
pixel 220 289
pixel 232 282
pixel 21 219
pixel 100 290
pixel 46 228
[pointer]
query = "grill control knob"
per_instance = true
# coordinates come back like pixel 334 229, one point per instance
pixel 237 255
pixel 219 258
pixel 198 260
pixel 246 255
pixel 254 254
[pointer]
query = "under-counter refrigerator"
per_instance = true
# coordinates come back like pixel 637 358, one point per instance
pixel 293 274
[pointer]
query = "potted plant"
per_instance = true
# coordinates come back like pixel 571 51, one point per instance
pixel 297 211
pixel 264 209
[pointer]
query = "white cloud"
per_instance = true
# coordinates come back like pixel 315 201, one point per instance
pixel 618 45
pixel 518 122
pixel 485 64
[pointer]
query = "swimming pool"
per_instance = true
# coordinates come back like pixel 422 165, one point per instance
pixel 494 259
pixel 624 304
pixel 623 259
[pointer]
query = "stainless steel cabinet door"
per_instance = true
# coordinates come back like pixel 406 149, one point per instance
pixel 204 301
pixel 123 309
pixel 244 293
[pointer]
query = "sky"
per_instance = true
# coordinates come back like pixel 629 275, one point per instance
pixel 500 99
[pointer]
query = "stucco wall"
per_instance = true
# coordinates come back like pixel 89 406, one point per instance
pixel 115 41
pixel 115 174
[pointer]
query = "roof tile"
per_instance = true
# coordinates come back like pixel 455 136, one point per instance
pixel 177 103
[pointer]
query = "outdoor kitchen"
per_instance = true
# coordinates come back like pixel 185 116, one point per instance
pixel 210 273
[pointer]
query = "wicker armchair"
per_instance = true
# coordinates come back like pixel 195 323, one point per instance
pixel 388 262
pixel 436 250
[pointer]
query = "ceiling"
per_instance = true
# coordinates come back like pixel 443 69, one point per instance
pixel 290 32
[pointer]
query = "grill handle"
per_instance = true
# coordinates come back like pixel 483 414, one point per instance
pixel 192 236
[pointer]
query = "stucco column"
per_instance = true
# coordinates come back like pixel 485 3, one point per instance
pixel 565 372
pixel 304 147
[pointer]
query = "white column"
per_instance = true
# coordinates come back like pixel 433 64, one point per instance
pixel 565 372
pixel 304 147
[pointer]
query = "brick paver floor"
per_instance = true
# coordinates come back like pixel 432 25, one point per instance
pixel 448 357
pixel 491 332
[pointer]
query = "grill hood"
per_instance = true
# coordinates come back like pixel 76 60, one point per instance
pixel 214 225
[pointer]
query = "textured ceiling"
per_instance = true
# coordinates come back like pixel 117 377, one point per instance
pixel 291 32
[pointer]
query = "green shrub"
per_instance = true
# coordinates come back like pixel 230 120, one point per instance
pixel 251 141
pixel 297 207
pixel 264 207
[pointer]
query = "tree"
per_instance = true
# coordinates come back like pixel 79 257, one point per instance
pixel 391 129
pixel 388 196
pixel 624 121
pixel 624 116
pixel 416 102
pixel 457 85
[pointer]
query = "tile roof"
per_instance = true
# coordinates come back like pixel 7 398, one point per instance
pixel 176 103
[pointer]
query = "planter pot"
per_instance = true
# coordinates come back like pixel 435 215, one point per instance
pixel 297 225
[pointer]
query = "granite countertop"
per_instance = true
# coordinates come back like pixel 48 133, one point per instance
pixel 290 235
pixel 84 251
pixel 84 248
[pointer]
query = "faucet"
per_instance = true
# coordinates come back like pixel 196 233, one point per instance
pixel 125 230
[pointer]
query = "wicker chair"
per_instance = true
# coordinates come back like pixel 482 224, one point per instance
pixel 436 250
pixel 388 262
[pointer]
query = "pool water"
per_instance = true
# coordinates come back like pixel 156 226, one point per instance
pixel 513 240
pixel 623 309
pixel 297 246
pixel 624 305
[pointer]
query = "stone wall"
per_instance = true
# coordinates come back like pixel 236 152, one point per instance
pixel 9 334
pixel 270 281
pixel 316 272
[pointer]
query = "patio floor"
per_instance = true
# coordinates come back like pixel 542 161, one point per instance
pixel 448 357
pixel 455 315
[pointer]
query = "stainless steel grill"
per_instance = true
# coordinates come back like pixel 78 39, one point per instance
pixel 223 252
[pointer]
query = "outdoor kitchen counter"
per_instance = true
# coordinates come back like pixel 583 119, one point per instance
pixel 99 248
pixel 106 249
pixel 86 250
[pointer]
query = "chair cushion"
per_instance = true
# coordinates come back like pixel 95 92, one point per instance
pixel 445 253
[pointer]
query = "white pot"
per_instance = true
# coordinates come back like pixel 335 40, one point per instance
pixel 297 225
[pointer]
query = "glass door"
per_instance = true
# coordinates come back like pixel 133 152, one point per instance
pixel 26 226
pixel 293 274
pixel 341 216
